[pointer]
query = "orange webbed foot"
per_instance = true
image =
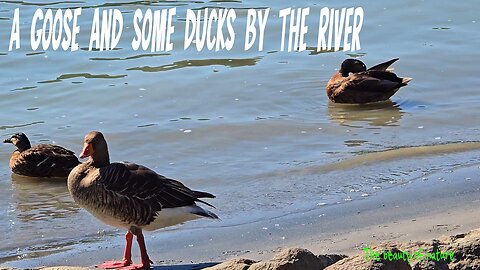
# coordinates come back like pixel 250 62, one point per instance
pixel 135 267
pixel 114 264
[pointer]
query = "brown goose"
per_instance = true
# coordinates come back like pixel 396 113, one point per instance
pixel 43 160
pixel 131 196
pixel 354 84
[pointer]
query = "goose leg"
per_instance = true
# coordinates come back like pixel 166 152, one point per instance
pixel 145 263
pixel 127 255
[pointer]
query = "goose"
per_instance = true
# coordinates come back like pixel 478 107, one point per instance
pixel 355 84
pixel 43 160
pixel 131 196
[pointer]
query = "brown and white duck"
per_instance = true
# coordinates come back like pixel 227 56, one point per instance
pixel 131 196
pixel 355 84
pixel 43 160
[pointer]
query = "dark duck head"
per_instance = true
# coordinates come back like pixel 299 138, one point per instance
pixel 20 140
pixel 352 66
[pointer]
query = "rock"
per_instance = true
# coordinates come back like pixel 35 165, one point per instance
pixel 466 249
pixel 233 264
pixel 287 259
pixel 362 262
pixel 329 259
pixel 432 248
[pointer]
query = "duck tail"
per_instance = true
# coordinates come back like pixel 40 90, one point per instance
pixel 383 66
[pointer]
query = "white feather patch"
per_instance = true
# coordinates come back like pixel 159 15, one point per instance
pixel 172 216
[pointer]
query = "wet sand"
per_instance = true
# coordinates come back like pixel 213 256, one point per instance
pixel 440 203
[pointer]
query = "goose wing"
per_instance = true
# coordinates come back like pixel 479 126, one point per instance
pixel 139 182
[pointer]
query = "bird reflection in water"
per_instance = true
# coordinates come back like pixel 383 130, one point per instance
pixel 38 199
pixel 377 114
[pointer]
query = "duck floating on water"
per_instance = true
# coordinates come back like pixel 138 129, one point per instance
pixel 131 196
pixel 355 84
pixel 43 160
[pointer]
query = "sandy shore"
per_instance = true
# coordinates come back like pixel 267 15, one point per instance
pixel 442 203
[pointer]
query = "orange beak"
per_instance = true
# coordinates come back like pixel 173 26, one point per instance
pixel 87 150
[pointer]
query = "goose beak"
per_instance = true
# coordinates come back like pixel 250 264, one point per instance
pixel 7 141
pixel 87 150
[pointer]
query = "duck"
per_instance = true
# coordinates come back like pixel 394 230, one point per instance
pixel 40 161
pixel 131 196
pixel 355 84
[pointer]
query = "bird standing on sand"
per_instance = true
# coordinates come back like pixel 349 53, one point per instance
pixel 43 160
pixel 355 84
pixel 131 196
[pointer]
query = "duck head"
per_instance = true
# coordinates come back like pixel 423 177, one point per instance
pixel 20 140
pixel 95 147
pixel 352 66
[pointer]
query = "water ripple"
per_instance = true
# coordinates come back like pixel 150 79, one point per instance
pixel 84 75
pixel 23 3
pixel 24 88
pixel 200 63
pixel 128 58
pixel 21 125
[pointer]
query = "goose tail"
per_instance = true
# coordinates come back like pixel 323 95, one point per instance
pixel 197 210
pixel 406 80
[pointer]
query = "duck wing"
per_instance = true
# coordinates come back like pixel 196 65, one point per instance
pixel 375 81
pixel 383 66
pixel 45 160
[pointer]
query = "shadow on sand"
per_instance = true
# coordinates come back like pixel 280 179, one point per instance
pixel 185 266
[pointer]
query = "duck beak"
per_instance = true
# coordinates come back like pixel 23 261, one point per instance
pixel 7 141
pixel 87 150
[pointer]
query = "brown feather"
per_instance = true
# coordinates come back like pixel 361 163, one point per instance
pixel 44 160
pixel 373 85
pixel 127 194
